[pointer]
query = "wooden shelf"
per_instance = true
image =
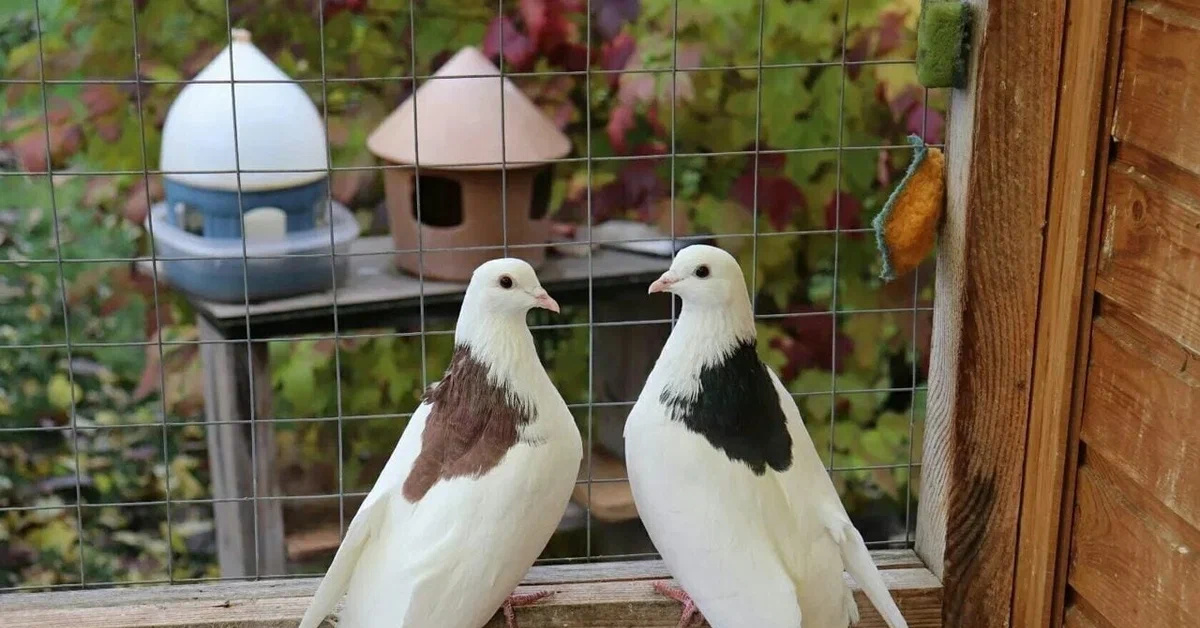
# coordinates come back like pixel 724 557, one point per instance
pixel 595 595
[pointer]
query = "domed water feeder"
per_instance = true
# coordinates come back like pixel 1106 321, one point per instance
pixel 456 143
pixel 236 214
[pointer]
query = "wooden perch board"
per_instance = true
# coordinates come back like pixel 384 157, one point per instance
pixel 595 595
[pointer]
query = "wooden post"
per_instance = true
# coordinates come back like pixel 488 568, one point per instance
pixel 624 357
pixel 999 147
pixel 233 457
pixel 1081 144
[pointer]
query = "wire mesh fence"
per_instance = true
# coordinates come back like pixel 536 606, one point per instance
pixel 774 128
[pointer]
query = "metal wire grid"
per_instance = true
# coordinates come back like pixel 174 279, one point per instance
pixel 423 333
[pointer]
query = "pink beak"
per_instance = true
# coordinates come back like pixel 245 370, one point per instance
pixel 544 301
pixel 664 283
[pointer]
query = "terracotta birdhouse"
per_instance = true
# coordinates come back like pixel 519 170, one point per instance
pixel 468 166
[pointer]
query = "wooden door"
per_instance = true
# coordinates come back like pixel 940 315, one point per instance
pixel 1134 554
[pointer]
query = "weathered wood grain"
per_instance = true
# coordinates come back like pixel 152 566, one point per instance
pixel 1162 170
pixel 539 575
pixel 1160 82
pixel 1078 616
pixel 999 148
pixel 600 602
pixel 1150 258
pixel 1133 560
pixel 1064 311
pixel 373 288
pixel 1143 410
pixel 250 537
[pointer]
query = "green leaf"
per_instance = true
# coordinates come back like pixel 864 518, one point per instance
pixel 893 428
pixel 61 393
pixel 876 449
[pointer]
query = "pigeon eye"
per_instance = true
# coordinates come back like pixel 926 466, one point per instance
pixel 506 282
pixel 702 271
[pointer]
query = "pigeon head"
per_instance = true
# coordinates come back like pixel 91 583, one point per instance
pixel 507 286
pixel 704 276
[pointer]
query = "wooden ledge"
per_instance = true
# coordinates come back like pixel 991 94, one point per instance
pixel 596 595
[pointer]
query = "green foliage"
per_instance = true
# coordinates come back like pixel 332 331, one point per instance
pixel 117 451
pixel 799 191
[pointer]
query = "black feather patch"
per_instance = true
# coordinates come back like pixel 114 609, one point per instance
pixel 738 411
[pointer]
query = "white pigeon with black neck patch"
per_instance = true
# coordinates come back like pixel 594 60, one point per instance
pixel 476 486
pixel 726 478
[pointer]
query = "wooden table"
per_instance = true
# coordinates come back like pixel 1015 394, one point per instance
pixel 375 295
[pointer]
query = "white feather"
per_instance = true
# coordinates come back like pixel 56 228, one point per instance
pixel 450 559
pixel 767 550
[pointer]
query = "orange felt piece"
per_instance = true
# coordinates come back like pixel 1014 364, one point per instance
pixel 906 229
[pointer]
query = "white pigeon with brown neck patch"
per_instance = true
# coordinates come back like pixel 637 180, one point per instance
pixel 726 478
pixel 475 487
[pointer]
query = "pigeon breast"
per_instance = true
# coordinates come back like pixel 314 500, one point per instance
pixel 737 410
pixel 472 424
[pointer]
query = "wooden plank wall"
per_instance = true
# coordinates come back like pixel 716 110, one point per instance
pixel 1134 557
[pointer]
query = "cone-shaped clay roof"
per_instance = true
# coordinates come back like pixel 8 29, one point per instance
pixel 459 122
pixel 278 126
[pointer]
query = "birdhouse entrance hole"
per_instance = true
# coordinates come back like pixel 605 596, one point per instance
pixel 539 204
pixel 441 201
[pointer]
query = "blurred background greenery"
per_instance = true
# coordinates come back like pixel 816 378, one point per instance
pixel 667 77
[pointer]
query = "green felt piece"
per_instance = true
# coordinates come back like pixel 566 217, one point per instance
pixel 942 43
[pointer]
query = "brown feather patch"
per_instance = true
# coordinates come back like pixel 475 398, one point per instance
pixel 470 427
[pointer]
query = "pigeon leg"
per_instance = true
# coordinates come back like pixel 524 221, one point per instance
pixel 691 615
pixel 521 599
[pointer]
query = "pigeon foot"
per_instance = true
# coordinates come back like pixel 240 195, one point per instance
pixel 521 599
pixel 691 615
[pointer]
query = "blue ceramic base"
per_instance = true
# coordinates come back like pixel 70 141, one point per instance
pixel 222 279
pixel 223 214
pixel 221 269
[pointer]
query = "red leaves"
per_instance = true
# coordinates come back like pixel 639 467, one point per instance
pixel 620 122
pixel 846 216
pixel 137 204
pixel 811 342
pixel 570 57
pixel 31 148
pixel 778 196
pixel 876 42
pixel 610 15
pixel 926 122
pixel 104 107
pixel 919 119
pixel 637 188
pixel 615 54
pixel 543 30
pixel 891 32
pixel 103 104
pixel 334 7
pixel 519 53
pixel 536 16
pixel 100 100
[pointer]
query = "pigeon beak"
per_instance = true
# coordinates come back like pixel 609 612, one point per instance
pixel 544 301
pixel 664 283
